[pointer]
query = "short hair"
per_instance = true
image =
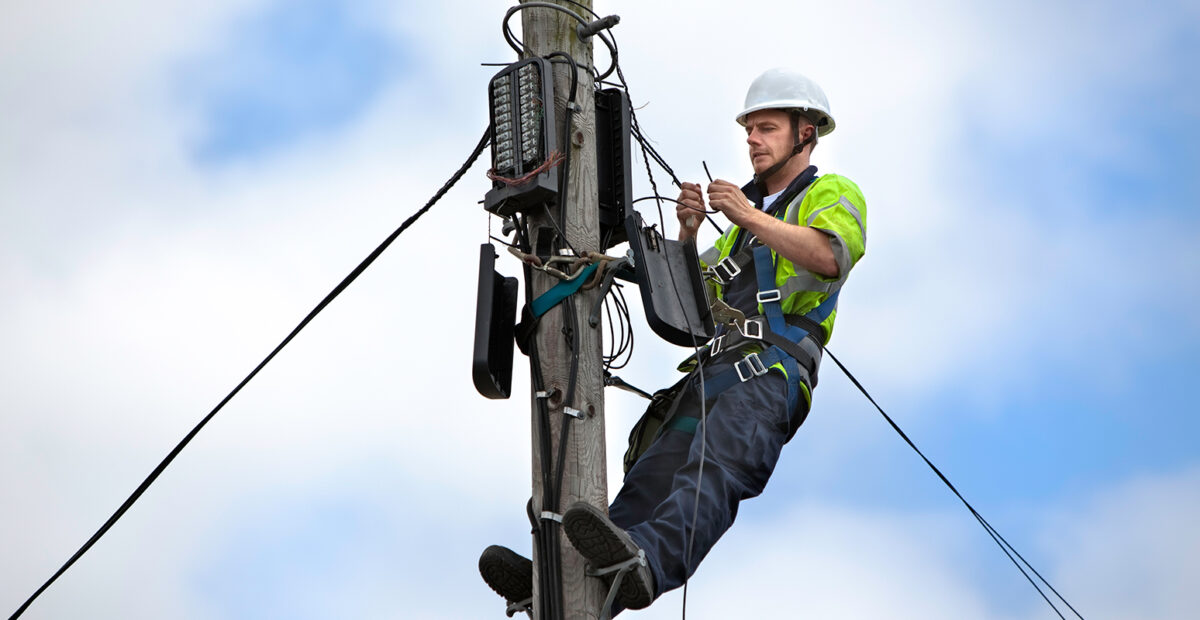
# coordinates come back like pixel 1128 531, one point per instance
pixel 798 115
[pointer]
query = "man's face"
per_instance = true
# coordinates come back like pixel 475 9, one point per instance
pixel 769 134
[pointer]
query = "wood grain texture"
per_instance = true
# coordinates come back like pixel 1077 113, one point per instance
pixel 545 31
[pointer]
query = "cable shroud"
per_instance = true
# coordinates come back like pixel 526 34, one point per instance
pixel 337 290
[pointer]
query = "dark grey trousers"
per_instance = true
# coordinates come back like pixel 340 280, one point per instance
pixel 747 427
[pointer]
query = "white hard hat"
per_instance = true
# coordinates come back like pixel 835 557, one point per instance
pixel 787 90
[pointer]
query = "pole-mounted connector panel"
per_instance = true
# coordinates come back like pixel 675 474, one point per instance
pixel 587 31
pixel 525 158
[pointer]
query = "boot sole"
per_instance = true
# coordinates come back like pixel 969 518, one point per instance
pixel 507 573
pixel 603 544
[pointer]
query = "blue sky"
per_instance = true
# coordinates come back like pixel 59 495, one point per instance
pixel 1023 310
pixel 302 69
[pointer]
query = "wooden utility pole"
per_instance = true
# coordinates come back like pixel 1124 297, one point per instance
pixel 546 31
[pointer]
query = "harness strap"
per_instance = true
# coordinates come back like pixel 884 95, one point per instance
pixel 784 340
pixel 561 291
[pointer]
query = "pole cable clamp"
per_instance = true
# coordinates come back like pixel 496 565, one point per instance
pixel 525 606
pixel 573 412
pixel 551 516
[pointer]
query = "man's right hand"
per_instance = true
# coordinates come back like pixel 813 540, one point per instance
pixel 690 210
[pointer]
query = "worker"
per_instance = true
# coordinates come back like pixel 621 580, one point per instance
pixel 714 438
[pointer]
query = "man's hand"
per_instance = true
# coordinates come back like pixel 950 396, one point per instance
pixel 729 199
pixel 804 246
pixel 690 211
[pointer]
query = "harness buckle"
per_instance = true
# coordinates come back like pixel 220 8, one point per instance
pixel 769 296
pixel 754 367
pixel 717 344
pixel 730 267
pixel 751 328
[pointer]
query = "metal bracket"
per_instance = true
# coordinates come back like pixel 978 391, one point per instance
pixel 573 412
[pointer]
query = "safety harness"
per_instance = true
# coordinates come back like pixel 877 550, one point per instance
pixel 791 341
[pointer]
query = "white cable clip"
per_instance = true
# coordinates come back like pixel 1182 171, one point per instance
pixel 551 516
pixel 573 412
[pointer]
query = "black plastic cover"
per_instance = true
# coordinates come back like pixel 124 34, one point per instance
pixel 614 174
pixel 673 291
pixel 495 317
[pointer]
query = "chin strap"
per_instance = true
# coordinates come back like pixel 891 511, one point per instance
pixel 761 179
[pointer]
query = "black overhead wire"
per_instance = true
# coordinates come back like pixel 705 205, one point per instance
pixel 619 345
pixel 337 290
pixel 1003 543
pixel 521 49
pixel 650 153
pixel 676 202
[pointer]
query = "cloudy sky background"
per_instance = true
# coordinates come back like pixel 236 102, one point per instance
pixel 181 182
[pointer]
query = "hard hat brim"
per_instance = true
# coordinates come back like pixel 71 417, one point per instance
pixel 823 128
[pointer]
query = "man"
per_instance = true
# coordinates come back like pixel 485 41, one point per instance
pixel 777 273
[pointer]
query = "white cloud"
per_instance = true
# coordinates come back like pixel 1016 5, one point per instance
pixel 1130 552
pixel 1126 552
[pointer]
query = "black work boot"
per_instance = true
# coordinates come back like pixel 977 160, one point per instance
pixel 605 545
pixel 508 573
